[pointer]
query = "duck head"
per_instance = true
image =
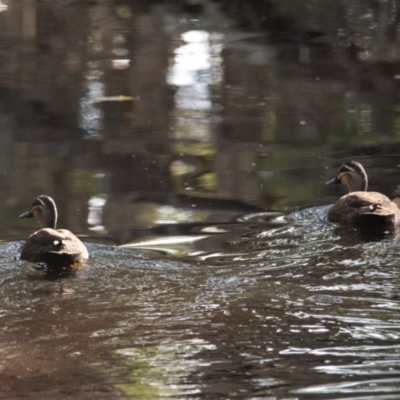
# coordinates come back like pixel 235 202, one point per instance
pixel 44 210
pixel 352 175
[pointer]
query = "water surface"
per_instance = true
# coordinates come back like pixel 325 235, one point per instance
pixel 188 144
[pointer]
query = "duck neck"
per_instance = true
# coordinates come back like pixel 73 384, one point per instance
pixel 49 219
pixel 53 221
pixel 47 215
pixel 356 183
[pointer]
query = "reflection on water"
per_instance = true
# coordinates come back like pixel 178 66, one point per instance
pixel 195 71
pixel 95 215
pixel 91 115
pixel 162 368
pixel 202 150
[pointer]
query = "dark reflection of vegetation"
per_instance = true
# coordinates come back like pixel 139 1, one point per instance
pixel 315 82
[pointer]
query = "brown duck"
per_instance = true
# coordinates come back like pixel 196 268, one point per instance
pixel 51 245
pixel 360 207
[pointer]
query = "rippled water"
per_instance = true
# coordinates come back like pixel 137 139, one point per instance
pixel 188 144
pixel 269 306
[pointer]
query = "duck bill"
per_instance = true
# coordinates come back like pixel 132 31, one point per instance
pixel 333 181
pixel 28 214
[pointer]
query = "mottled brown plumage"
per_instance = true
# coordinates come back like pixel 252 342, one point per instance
pixel 360 207
pixel 50 245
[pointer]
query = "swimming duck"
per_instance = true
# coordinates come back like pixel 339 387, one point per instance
pixel 49 245
pixel 360 207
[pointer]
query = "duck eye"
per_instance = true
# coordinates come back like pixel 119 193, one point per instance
pixel 37 210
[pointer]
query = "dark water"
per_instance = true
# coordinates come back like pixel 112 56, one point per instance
pixel 187 143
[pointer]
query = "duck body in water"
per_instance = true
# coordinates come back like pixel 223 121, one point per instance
pixel 359 207
pixel 50 245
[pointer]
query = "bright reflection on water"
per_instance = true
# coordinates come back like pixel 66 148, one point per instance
pixel 195 68
pixel 95 215
pixel 91 116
